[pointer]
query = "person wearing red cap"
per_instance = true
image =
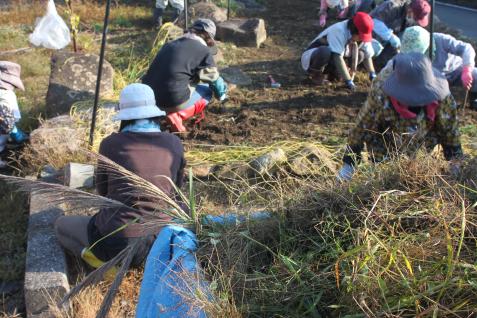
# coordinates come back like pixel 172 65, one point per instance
pixel 391 18
pixel 326 54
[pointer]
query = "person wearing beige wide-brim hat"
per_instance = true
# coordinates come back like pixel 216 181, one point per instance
pixel 411 108
pixel 142 148
pixel 9 110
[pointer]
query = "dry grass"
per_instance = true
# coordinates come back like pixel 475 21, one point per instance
pixel 87 303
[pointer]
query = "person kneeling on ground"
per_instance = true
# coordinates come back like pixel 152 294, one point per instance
pixel 391 18
pixel 325 54
pixel 143 149
pixel 9 111
pixel 184 76
pixel 412 107
pixel 161 5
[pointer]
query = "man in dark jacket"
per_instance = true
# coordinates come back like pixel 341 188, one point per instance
pixel 184 76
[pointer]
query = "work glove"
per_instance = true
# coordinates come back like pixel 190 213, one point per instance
pixel 466 77
pixel 372 76
pixel 18 136
pixel 323 19
pixel 350 85
pixel 345 173
pixel 395 41
pixel 219 87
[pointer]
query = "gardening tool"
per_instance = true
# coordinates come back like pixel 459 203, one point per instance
pixel 273 83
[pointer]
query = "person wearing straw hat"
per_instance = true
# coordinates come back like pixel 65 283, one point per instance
pixel 140 147
pixel 391 18
pixel 9 110
pixel 412 107
pixel 325 55
pixel 184 76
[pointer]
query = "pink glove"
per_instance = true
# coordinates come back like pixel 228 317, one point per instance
pixel 466 77
pixel 343 13
pixel 323 20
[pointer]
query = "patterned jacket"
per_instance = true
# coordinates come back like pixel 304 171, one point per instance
pixel 384 132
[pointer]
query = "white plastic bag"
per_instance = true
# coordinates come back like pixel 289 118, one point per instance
pixel 51 31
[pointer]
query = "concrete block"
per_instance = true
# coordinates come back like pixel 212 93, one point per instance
pixel 78 175
pixel 242 32
pixel 46 279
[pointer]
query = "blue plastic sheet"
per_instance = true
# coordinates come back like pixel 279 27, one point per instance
pixel 171 277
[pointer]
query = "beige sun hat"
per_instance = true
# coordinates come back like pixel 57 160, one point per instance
pixel 137 101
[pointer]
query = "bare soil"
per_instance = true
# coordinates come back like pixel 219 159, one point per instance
pixel 261 115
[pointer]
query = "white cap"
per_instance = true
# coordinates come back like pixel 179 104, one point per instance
pixel 137 101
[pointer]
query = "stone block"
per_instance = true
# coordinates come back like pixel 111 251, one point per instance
pixel 312 160
pixel 268 162
pixel 73 78
pixel 235 76
pixel 78 175
pixel 207 10
pixel 242 32
pixel 46 279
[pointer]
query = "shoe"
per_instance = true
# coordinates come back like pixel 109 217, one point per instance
pixel 157 17
pixel 91 259
pixel 175 119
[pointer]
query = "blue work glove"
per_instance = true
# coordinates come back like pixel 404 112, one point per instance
pixel 18 136
pixel 372 75
pixel 219 87
pixel 345 173
pixel 350 85
pixel 395 41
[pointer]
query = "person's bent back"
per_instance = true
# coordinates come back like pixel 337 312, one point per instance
pixel 144 150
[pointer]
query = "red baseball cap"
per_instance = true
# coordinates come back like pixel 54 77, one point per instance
pixel 420 10
pixel 365 24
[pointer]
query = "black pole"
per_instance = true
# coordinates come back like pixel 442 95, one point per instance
pixel 431 44
pixel 100 72
pixel 228 9
pixel 186 14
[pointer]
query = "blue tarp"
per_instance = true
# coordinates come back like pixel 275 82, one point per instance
pixel 171 277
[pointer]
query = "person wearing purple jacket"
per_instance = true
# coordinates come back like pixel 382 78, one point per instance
pixel 455 59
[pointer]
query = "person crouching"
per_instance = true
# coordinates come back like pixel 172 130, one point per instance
pixel 184 76
pixel 141 148
pixel 412 108
pixel 325 55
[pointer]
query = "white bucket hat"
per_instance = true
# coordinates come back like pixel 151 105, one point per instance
pixel 137 101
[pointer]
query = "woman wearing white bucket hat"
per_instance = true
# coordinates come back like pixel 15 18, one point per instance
pixel 143 149
pixel 413 107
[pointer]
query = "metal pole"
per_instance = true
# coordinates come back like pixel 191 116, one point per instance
pixel 186 14
pixel 228 9
pixel 100 72
pixel 431 44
